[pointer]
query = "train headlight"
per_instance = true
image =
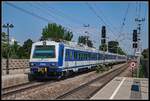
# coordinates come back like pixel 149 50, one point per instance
pixel 32 64
pixel 53 64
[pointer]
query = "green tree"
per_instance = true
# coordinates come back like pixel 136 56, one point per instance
pixel 112 46
pixel 68 36
pixel 14 50
pixel 4 45
pixel 82 39
pixel 56 32
pixel 145 53
pixel 27 48
pixel 121 52
pixel 103 47
pixel 21 53
pixel 85 40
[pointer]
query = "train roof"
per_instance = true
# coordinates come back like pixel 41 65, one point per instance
pixel 75 45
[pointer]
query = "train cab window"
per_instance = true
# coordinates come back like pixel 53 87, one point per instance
pixel 47 51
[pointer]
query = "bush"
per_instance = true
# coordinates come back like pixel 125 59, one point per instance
pixel 100 68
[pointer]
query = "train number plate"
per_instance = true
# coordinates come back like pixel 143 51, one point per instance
pixel 40 69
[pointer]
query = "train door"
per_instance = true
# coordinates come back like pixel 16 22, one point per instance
pixel 61 55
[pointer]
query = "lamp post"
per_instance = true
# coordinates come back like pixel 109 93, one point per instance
pixel 7 26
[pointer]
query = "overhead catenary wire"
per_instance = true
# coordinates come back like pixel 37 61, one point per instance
pixel 92 9
pixel 62 14
pixel 35 15
pixel 99 16
pixel 43 10
pixel 28 12
pixel 107 19
pixel 123 22
pixel 47 12
pixel 55 15
pixel 122 26
pixel 114 27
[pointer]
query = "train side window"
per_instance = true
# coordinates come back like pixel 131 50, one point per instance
pixel 67 54
pixel 99 56
pixel 75 55
pixel 79 56
pixel 70 55
pixel 90 56
pixel 84 56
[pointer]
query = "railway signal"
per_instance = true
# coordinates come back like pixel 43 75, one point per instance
pixel 103 31
pixel 134 35
pixel 135 39
pixel 134 45
pixel 103 41
pixel 132 65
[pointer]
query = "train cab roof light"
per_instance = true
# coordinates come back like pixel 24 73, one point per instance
pixel 44 42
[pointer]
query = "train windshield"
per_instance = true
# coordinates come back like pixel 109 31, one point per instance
pixel 47 51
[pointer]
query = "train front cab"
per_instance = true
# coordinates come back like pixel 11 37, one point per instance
pixel 45 61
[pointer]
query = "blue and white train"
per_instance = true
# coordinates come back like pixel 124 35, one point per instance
pixel 50 59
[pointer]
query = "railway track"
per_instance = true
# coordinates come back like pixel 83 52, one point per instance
pixel 87 90
pixel 8 91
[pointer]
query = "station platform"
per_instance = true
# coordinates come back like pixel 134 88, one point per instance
pixel 124 88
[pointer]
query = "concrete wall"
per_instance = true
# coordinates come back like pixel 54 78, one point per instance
pixel 16 66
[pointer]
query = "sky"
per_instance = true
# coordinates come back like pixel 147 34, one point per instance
pixel 29 18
